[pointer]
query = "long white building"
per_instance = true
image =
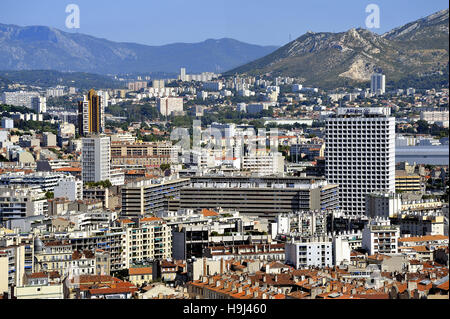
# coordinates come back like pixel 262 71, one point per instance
pixel 360 154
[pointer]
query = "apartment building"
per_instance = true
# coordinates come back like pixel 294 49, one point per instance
pixel 111 241
pixel 380 204
pixel 69 188
pixel 53 256
pixel 19 98
pixel 259 196
pixel 151 240
pixel 405 182
pixel 419 223
pixel 380 237
pixel 143 154
pixel 169 105
pixel 378 84
pixel 264 165
pixel 42 285
pixel 360 154
pixel 45 180
pixel 13 257
pixel 91 114
pixel 267 252
pixel 313 252
pixel 96 159
pixel 150 196
pixel 302 224
pixel 17 203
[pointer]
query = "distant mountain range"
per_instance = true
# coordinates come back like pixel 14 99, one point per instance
pixel 44 48
pixel 418 49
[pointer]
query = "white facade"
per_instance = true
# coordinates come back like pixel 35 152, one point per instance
pixel 69 188
pixel 7 123
pixel 169 105
pixel 39 104
pixel 283 224
pixel 263 165
pixel 360 155
pixel 341 250
pixel 383 204
pixel 96 159
pixel 19 98
pixel 380 237
pixel 310 254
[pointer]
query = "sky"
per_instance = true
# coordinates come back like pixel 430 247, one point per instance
pixel 261 22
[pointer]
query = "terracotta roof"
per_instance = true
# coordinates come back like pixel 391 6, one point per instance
pixel 423 238
pixel 140 271
pixel 150 219
pixel 422 249
pixel 208 213
pixel 68 169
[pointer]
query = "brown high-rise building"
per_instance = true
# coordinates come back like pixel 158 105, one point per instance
pixel 91 114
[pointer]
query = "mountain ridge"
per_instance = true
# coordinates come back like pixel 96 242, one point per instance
pixel 42 47
pixel 330 59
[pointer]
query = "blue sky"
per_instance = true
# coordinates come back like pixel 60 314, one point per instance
pixel 261 22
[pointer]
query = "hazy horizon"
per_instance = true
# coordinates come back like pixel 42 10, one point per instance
pixel 179 21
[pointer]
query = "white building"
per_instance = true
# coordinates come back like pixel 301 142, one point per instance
pixel 7 123
pixel 378 84
pixel 104 97
pixel 69 188
pixel 96 159
pixel 360 154
pixel 39 104
pixel 263 165
pixel 341 250
pixel 383 204
pixel 55 92
pixel 380 237
pixel 314 253
pixel 169 105
pixel 19 98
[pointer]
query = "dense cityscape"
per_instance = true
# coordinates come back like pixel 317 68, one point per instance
pixel 224 186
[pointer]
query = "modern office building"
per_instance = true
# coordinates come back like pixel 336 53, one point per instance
pixel 96 159
pixel 360 154
pixel 260 196
pixel 150 196
pixel 378 84
pixel 91 114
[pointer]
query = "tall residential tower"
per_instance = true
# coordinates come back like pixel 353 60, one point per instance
pixel 360 154
pixel 96 158
pixel 91 114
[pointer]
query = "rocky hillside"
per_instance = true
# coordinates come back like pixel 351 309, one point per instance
pixel 329 59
